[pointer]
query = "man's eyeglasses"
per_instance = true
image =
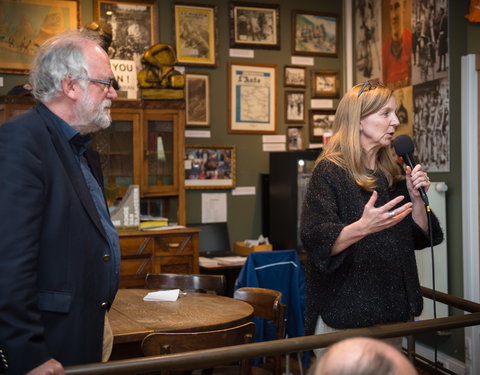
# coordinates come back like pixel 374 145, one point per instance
pixel 371 84
pixel 108 83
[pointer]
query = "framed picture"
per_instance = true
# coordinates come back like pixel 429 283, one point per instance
pixel 27 24
pixel 294 138
pixel 325 84
pixel 197 96
pixel 209 167
pixel 252 98
pixel 196 34
pixel 295 76
pixel 254 25
pixel 294 106
pixel 321 124
pixel 315 33
pixel 134 26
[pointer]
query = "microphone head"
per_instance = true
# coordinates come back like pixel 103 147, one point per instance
pixel 403 145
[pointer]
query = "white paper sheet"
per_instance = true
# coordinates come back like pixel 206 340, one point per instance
pixel 163 295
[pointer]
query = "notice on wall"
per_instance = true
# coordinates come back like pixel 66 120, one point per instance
pixel 214 208
pixel 125 73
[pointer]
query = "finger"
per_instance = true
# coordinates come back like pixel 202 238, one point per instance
pixel 400 216
pixel 400 211
pixel 373 199
pixel 395 201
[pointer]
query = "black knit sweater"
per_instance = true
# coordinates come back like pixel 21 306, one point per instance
pixel 375 280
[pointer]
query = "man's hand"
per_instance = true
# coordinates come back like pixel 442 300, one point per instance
pixel 51 367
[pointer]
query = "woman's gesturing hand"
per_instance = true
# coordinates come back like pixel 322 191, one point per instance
pixel 374 219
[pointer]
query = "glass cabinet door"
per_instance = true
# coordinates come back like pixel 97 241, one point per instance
pixel 115 146
pixel 160 158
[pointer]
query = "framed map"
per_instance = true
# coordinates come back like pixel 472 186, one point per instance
pixel 252 98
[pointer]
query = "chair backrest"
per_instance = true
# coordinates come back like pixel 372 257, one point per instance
pixel 187 283
pixel 278 270
pixel 171 343
pixel 266 305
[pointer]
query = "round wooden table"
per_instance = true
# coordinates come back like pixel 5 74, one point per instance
pixel 132 319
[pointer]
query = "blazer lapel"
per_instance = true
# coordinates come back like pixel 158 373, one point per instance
pixel 72 168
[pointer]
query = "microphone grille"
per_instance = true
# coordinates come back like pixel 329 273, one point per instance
pixel 403 145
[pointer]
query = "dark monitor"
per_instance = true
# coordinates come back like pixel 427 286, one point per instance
pixel 213 239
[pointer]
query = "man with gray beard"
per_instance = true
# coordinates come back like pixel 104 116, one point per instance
pixel 59 250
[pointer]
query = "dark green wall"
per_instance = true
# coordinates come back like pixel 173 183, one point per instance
pixel 244 212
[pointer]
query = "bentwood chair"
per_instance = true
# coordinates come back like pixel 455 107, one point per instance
pixel 186 283
pixel 266 305
pixel 172 343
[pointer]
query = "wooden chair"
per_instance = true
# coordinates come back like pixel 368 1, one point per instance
pixel 267 305
pixel 187 283
pixel 171 343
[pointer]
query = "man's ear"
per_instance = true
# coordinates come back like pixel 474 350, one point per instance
pixel 71 88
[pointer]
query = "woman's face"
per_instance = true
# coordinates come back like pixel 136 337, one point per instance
pixel 377 129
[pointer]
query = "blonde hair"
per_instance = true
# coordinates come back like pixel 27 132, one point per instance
pixel 344 148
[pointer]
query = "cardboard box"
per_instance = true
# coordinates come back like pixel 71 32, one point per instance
pixel 241 249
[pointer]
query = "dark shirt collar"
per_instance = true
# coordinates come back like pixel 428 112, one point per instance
pixel 78 141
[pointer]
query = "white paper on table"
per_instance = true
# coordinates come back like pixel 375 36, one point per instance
pixel 163 295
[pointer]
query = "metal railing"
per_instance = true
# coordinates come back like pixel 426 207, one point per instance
pixel 213 357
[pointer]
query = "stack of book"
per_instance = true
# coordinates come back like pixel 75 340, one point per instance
pixel 152 222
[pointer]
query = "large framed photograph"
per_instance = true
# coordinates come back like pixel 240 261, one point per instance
pixel 295 103
pixel 294 138
pixel 209 167
pixel 252 98
pixel 295 76
pixel 325 84
pixel 134 26
pixel 315 33
pixel 26 24
pixel 196 34
pixel 197 96
pixel 254 25
pixel 321 125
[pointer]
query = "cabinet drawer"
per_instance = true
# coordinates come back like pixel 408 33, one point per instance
pixel 173 244
pixel 136 265
pixel 136 246
pixel 176 264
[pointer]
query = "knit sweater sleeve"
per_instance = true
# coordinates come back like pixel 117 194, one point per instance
pixel 320 220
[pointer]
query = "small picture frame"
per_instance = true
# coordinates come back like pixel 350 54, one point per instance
pixel 197 98
pixel 254 25
pixel 315 33
pixel 134 26
pixel 295 138
pixel 321 125
pixel 196 34
pixel 295 104
pixel 252 98
pixel 209 167
pixel 295 76
pixel 325 84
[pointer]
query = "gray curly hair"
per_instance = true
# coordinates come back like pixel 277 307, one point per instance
pixel 59 57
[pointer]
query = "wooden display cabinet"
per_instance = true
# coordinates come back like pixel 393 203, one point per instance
pixel 144 146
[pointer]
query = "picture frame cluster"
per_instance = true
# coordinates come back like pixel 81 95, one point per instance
pixel 253 95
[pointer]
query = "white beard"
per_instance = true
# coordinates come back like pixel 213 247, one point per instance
pixel 90 118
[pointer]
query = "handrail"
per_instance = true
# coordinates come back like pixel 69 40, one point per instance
pixel 218 356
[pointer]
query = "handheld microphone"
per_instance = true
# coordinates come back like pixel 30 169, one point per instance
pixel 404 147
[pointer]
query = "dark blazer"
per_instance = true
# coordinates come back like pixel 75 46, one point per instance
pixel 55 264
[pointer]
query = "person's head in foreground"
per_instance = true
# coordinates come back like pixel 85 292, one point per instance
pixel 363 356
